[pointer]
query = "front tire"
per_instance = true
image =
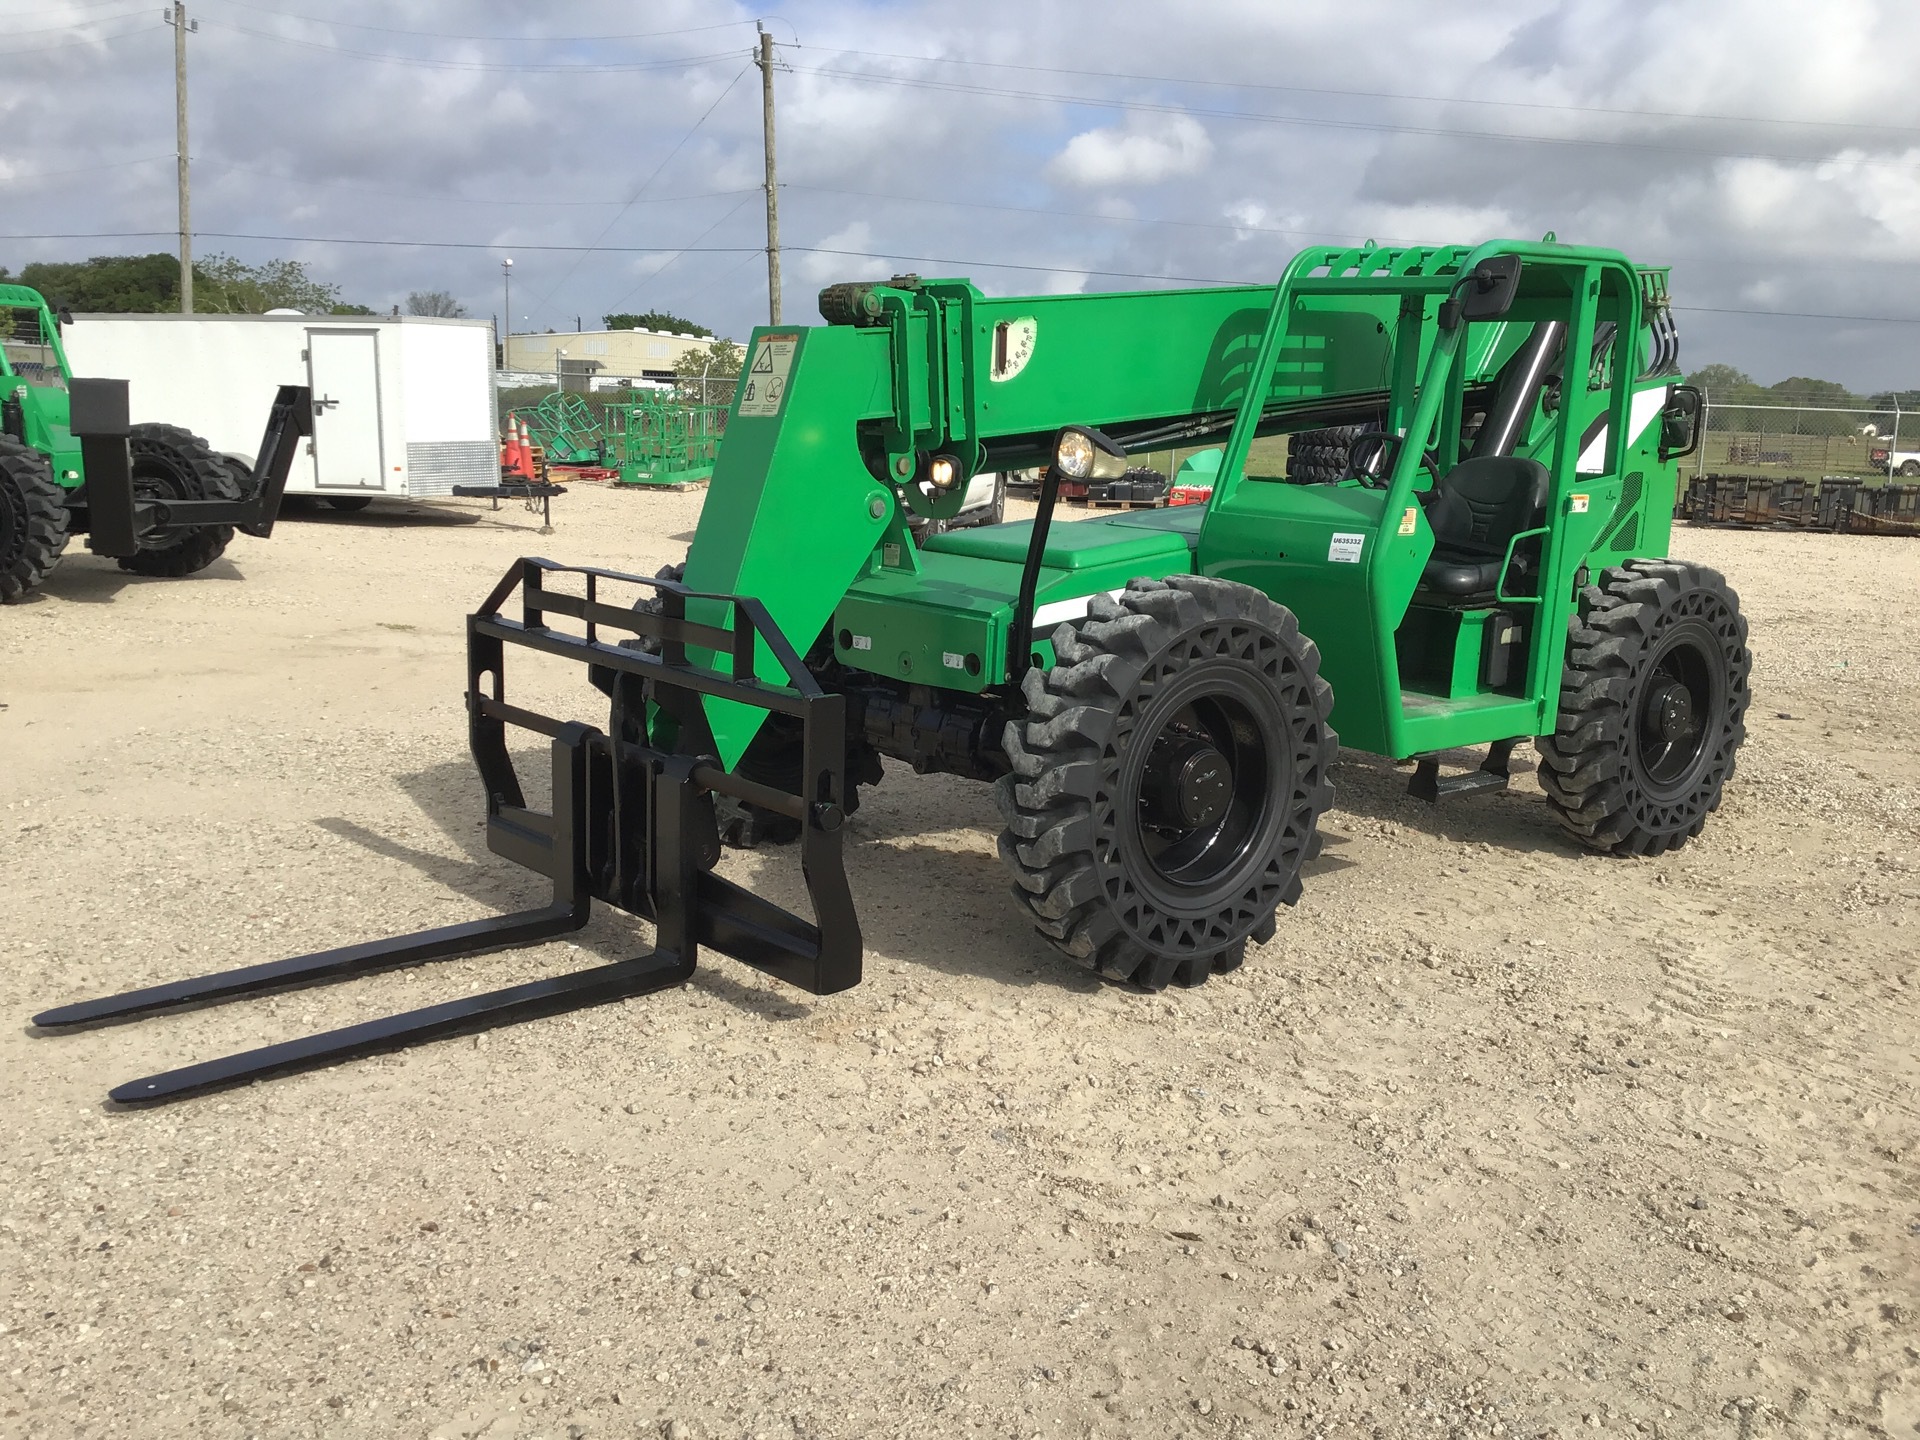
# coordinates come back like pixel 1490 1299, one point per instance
pixel 33 519
pixel 1167 785
pixel 174 464
pixel 1653 707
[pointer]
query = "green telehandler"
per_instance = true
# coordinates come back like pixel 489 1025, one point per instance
pixel 174 510
pixel 1466 549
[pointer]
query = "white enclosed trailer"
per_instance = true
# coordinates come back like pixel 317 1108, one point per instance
pixel 402 406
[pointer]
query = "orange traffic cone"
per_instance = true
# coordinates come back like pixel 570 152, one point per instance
pixel 515 459
pixel 532 471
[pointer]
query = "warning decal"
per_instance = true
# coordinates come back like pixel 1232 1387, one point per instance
pixel 764 386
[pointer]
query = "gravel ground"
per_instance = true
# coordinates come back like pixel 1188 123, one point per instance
pixel 1495 1138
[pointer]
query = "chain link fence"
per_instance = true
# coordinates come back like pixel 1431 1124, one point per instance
pixel 1805 442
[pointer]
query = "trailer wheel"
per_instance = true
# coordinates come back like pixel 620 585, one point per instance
pixel 1910 468
pixel 1652 707
pixel 174 464
pixel 1168 782
pixel 774 757
pixel 33 519
pixel 348 504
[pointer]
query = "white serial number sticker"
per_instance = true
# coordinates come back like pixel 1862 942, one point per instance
pixel 1345 549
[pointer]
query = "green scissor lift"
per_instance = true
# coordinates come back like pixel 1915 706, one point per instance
pixel 1157 697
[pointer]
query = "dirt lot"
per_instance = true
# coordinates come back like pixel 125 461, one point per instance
pixel 1496 1138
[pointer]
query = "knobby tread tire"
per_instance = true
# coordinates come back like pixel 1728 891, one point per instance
pixel 33 519
pixel 170 461
pixel 1587 765
pixel 1061 800
pixel 1319 457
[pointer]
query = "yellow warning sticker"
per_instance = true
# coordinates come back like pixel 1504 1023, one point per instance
pixel 1410 520
pixel 764 386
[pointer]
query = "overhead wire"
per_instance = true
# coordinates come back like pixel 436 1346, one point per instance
pixel 517 67
pixel 1378 94
pixel 679 145
pixel 1098 102
pixel 890 256
pixel 515 39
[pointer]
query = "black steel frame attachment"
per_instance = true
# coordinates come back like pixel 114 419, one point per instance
pixel 631 825
pixel 116 518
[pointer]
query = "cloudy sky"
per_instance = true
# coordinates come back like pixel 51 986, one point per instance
pixel 1769 151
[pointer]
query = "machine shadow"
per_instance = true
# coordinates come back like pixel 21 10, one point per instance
pixel 969 926
pixel 1512 819
pixel 85 580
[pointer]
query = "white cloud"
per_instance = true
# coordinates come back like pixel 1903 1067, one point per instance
pixel 829 269
pixel 1146 150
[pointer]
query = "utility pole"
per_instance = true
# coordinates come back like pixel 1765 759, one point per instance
pixel 506 283
pixel 765 62
pixel 177 18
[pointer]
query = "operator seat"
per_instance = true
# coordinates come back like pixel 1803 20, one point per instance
pixel 1475 511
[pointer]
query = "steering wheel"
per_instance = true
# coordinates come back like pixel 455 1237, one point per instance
pixel 1371 456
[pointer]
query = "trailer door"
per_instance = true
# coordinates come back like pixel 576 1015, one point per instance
pixel 343 366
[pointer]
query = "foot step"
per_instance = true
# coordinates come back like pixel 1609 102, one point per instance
pixel 1426 782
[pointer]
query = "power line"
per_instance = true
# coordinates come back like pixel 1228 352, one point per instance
pixel 88 40
pixel 661 269
pixel 436 198
pixel 517 39
pixel 1329 123
pixel 84 169
pixel 679 145
pixel 75 24
pixel 518 67
pixel 1384 94
pixel 888 255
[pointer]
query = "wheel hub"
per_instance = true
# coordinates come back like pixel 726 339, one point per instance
pixel 1669 712
pixel 1188 783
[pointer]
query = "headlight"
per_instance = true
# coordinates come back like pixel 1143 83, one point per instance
pixel 1083 454
pixel 1073 455
pixel 944 473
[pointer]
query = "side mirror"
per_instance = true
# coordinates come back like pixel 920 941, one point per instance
pixel 63 317
pixel 1680 423
pixel 1484 293
pixel 1083 454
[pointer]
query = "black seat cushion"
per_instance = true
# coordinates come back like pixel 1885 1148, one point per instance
pixel 1476 509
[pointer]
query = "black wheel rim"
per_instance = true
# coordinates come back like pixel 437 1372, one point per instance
pixel 158 476
pixel 1199 790
pixel 1678 712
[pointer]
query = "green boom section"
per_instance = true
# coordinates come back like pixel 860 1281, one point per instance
pixel 834 429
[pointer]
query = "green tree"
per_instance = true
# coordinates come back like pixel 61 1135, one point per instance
pixel 108 284
pixel 436 303
pixel 344 308
pixel 708 373
pixel 224 285
pixel 1723 383
pixel 1803 390
pixel 655 320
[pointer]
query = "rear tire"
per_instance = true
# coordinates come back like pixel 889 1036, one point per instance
pixel 1652 707
pixel 1169 781
pixel 174 464
pixel 33 519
